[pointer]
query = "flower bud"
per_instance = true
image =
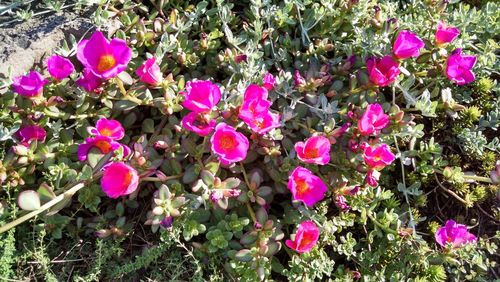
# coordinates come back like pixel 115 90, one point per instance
pixel 157 210
pixel 22 160
pixel 20 150
pixel 378 13
pixel 103 233
pixel 167 222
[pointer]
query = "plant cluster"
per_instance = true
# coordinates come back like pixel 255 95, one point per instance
pixel 263 140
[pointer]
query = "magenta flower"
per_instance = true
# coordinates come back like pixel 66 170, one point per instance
pixel 228 144
pixel 382 72
pixel 110 128
pixel 255 110
pixel 150 72
pixel 59 67
pixel 198 123
pixel 30 133
pixel 264 122
pixel 106 59
pixel 445 34
pixel 255 92
pixel 119 179
pixel 459 67
pixel 30 85
pixel 372 177
pixel 298 79
pixel 103 143
pixel 407 45
pixel 254 102
pixel 306 237
pixel 455 234
pixel 306 187
pixel 341 203
pixel 201 96
pixel 89 81
pixel 315 150
pixel 269 82
pixel 379 157
pixel 373 120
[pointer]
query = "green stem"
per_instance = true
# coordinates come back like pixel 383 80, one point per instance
pixel 249 207
pixel 412 223
pixel 381 226
pixel 43 208
pixel 157 179
pixel 478 178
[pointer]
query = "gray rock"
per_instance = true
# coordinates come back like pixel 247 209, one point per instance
pixel 29 43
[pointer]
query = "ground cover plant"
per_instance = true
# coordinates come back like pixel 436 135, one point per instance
pixel 258 140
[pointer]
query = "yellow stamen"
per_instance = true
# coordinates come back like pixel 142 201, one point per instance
pixel 301 187
pixel 105 132
pixel 227 142
pixel 311 153
pixel 106 62
pixel 104 146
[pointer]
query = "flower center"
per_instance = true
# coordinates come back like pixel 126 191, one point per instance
pixel 105 132
pixel 104 146
pixel 301 187
pixel 377 158
pixel 127 178
pixel 227 142
pixel 106 62
pixel 306 240
pixel 311 153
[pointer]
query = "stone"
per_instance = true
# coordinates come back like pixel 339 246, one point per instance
pixel 26 44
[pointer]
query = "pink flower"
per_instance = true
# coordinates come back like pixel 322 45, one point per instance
pixel 268 82
pixel 306 237
pixel 240 58
pixel 201 96
pixel 119 179
pixel 306 187
pixel 339 131
pixel 382 72
pixel 255 110
pixel 254 102
pixel 198 123
pixel 315 150
pixel 372 177
pixel 255 92
pixel 407 45
pixel 59 67
pixel 455 234
pixel 228 144
pixel 110 128
pixel 104 58
pixel 89 81
pixel 379 157
pixel 298 79
pixel 373 120
pixel 150 72
pixel 341 203
pixel 30 85
pixel 264 122
pixel 103 143
pixel 29 133
pixel 459 67
pixel 445 34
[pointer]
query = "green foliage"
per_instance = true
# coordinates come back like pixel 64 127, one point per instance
pixel 209 221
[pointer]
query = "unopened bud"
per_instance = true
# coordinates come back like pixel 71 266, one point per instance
pixel 20 150
pixel 103 233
